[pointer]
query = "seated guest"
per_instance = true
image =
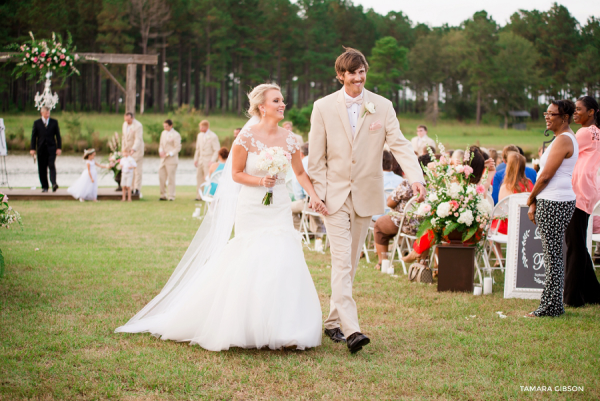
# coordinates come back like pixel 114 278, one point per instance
pixel 315 223
pixel 479 163
pixel 493 153
pixel 515 182
pixel 390 179
pixel 457 157
pixel 386 227
pixel 222 155
pixel 500 171
pixel 425 149
pixel 236 132
pixel 289 126
pixel 421 140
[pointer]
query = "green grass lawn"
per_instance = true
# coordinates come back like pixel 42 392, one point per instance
pixel 100 263
pixel 453 134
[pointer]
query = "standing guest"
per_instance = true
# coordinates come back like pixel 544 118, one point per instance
pixel 86 186
pixel 290 127
pixel 581 284
pixel 207 149
pixel 498 178
pixel 422 140
pixel 128 166
pixel 45 140
pixel 552 203
pixel 236 132
pixel 133 141
pixel 170 145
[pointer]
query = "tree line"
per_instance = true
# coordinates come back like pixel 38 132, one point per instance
pixel 211 52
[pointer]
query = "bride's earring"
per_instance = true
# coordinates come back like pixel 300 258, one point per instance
pixel 264 113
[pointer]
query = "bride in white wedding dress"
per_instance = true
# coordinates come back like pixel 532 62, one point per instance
pixel 254 290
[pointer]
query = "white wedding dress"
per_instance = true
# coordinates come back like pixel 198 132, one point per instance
pixel 255 291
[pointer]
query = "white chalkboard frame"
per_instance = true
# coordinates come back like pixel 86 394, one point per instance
pixel 512 252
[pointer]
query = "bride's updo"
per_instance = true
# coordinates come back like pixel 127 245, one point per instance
pixel 257 98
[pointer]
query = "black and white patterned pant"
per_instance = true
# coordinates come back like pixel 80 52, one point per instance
pixel 552 218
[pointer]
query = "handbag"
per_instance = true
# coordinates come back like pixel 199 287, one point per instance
pixel 419 272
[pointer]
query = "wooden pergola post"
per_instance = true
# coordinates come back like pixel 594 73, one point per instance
pixel 132 60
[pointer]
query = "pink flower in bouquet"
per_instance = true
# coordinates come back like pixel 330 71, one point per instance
pixel 468 170
pixel 454 204
pixel 289 156
pixel 27 55
pixel 35 59
pixel 268 156
pixel 48 59
pixel 63 63
pixel 43 54
pixel 480 189
pixel 41 66
pixel 460 168
pixel 456 214
pixel 443 160
pixel 426 208
pixel 62 56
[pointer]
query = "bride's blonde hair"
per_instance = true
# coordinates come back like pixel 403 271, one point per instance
pixel 257 98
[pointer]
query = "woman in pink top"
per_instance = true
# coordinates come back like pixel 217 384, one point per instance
pixel 581 284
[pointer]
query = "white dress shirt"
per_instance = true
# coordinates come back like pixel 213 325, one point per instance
pixel 45 121
pixel 353 112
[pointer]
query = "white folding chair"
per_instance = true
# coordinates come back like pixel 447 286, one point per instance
pixel 208 198
pixel 305 225
pixel 595 237
pixel 403 242
pixel 371 233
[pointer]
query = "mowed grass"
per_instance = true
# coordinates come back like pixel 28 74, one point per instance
pixel 100 263
pixel 453 134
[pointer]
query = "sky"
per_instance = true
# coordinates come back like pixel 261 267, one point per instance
pixel 453 12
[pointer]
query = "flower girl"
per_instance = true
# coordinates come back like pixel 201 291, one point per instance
pixel 86 186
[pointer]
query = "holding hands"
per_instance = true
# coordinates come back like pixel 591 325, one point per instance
pixel 318 206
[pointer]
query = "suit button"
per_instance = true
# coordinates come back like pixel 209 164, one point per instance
pixel 353 161
pixel 352 181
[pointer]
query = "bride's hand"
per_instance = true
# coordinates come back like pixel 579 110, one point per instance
pixel 318 206
pixel 267 182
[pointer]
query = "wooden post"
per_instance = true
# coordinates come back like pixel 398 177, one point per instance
pixel 130 85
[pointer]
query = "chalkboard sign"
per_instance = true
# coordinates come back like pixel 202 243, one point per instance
pixel 525 271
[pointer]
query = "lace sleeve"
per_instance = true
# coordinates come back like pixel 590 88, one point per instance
pixel 292 143
pixel 241 139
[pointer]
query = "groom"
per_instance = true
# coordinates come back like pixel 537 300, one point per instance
pixel 349 129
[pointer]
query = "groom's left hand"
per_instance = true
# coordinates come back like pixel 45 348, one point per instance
pixel 417 187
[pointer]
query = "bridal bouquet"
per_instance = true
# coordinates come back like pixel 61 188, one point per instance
pixel 273 160
pixel 453 204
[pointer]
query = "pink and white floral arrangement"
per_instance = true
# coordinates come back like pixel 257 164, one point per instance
pixel 39 57
pixel 273 160
pixel 453 203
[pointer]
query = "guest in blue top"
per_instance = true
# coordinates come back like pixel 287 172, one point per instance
pixel 390 179
pixel 215 167
pixel 501 170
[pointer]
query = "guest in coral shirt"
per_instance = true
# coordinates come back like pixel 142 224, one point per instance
pixel 581 284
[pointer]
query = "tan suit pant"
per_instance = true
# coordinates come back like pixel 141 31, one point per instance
pixel 137 175
pixel 347 232
pixel 166 176
pixel 201 173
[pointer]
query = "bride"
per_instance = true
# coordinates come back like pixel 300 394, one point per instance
pixel 253 290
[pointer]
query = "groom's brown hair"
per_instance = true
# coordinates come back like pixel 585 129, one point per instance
pixel 350 60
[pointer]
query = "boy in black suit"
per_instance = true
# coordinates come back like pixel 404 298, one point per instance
pixel 45 138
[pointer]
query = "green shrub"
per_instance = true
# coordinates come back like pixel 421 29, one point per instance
pixel 301 118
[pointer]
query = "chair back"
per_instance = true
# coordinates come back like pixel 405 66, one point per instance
pixel 408 208
pixel 386 193
pixel 216 176
pixel 500 211
pixel 596 211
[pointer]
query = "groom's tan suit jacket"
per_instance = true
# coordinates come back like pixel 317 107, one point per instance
pixel 341 163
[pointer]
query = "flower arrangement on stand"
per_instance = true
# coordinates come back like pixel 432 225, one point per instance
pixel 454 207
pixel 114 158
pixel 8 217
pixel 39 57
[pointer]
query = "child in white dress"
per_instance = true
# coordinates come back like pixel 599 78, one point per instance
pixel 128 166
pixel 86 186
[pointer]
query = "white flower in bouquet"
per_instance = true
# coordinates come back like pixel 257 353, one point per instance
pixel 433 197
pixel 434 222
pixel 466 217
pixel 471 190
pixel 484 207
pixel 424 209
pixel 273 160
pixel 454 190
pixel 444 209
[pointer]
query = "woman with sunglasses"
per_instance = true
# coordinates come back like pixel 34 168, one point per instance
pixel 581 284
pixel 552 202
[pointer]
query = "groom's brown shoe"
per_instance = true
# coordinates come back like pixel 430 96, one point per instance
pixel 356 341
pixel 336 335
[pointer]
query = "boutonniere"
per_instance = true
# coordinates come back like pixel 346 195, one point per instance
pixel 369 107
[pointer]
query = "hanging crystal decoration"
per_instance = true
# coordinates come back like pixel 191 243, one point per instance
pixel 46 99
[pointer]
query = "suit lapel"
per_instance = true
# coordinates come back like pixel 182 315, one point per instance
pixel 343 112
pixel 362 115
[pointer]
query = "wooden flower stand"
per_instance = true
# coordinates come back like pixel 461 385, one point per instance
pixel 456 267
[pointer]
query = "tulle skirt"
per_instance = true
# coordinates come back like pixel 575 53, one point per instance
pixel 84 188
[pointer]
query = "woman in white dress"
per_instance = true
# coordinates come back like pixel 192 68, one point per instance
pixel 254 290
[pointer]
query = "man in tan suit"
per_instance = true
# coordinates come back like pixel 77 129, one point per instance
pixel 422 141
pixel 349 129
pixel 133 141
pixel 207 152
pixel 170 145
